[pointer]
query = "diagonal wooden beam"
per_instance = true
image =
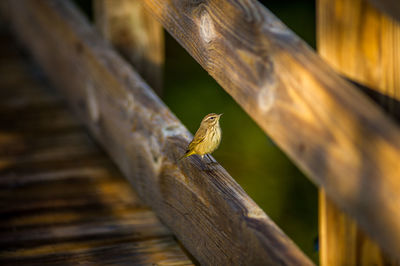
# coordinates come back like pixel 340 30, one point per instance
pixel 204 207
pixel 351 150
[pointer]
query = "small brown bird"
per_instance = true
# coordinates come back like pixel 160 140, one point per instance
pixel 207 138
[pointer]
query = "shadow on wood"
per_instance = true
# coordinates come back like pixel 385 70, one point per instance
pixel 390 7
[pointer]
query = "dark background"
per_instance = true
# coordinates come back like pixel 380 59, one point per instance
pixel 255 162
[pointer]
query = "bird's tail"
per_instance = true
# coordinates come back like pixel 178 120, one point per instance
pixel 187 154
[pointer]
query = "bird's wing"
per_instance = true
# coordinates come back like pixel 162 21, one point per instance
pixel 198 137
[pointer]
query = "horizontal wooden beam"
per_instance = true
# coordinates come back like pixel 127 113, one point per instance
pixel 206 209
pixel 351 150
pixel 390 7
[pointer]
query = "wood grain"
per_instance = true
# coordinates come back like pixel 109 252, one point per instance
pixel 136 35
pixel 363 44
pixel 342 242
pixel 62 200
pixel 351 150
pixel 205 208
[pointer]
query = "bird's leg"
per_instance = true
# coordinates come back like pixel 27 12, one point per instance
pixel 209 158
pixel 202 159
pixel 211 161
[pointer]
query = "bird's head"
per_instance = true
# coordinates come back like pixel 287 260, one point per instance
pixel 211 119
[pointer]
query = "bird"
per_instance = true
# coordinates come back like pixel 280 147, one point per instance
pixel 207 137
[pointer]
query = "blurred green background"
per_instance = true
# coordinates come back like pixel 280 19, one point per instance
pixel 255 162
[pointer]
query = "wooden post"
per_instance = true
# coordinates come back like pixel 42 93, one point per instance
pixel 363 44
pixel 135 34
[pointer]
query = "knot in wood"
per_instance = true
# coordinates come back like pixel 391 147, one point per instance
pixel 173 130
pixel 207 31
pixel 130 103
pixel 92 104
pixel 266 96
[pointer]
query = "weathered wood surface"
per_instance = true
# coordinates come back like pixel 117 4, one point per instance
pixel 136 34
pixel 62 201
pixel 390 7
pixel 351 150
pixel 206 209
pixel 362 43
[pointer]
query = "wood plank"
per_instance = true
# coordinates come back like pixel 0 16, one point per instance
pixel 38 124
pixel 136 35
pixel 306 108
pixel 390 7
pixel 38 206
pixel 363 44
pixel 205 208
pixel 14 144
pixel 137 225
pixel 69 216
pixel 159 251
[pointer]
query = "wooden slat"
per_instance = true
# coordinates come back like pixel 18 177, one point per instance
pixel 136 34
pixel 160 251
pixel 138 226
pixel 206 209
pixel 390 7
pixel 363 44
pixel 62 201
pixel 351 150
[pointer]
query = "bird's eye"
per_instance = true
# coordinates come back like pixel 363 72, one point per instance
pixel 211 118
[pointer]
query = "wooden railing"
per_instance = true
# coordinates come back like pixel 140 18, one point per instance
pixel 343 141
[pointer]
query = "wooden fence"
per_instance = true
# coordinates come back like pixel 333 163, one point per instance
pixel 343 141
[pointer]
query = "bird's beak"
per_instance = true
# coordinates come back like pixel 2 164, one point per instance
pixel 220 114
